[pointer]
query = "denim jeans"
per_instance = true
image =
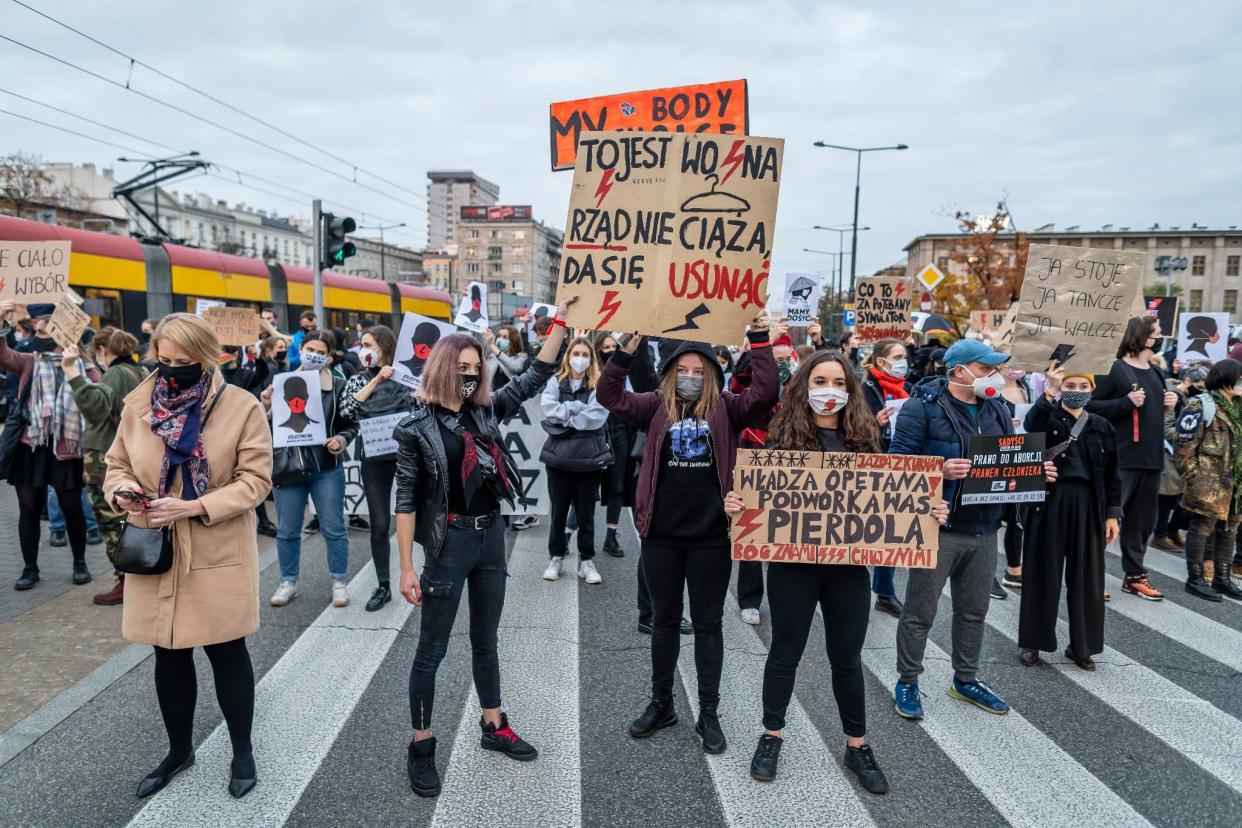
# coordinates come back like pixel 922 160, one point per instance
pixel 56 518
pixel 327 489
pixel 468 556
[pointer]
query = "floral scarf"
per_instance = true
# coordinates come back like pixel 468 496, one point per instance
pixel 176 419
pixel 52 416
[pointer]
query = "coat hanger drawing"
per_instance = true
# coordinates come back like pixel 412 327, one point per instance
pixel 714 201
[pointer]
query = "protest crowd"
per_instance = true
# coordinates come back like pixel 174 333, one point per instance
pixel 110 430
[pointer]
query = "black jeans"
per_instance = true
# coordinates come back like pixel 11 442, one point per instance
pixel 476 557
pixel 30 503
pixel 704 572
pixel 377 477
pixel 1210 539
pixel 1172 518
pixel 749 584
pixel 579 489
pixel 1013 544
pixel 1140 496
pixel 176 688
pixel 843 594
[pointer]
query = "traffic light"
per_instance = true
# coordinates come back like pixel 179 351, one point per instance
pixel 336 248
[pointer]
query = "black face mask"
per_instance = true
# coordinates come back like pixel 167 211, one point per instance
pixel 469 384
pixel 181 377
pixel 42 344
pixel 605 356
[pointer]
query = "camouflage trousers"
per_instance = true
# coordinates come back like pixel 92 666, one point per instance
pixel 110 522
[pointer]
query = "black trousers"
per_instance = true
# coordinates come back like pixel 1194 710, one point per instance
pixel 31 501
pixel 1140 501
pixel 468 556
pixel 1172 517
pixel 704 572
pixel 749 584
pixel 377 478
pixel 1210 539
pixel 1013 544
pixel 176 687
pixel 580 490
pixel 843 594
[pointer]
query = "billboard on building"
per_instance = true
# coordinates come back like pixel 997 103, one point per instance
pixel 496 212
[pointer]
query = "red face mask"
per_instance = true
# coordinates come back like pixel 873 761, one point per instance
pixel 297 405
pixel 422 350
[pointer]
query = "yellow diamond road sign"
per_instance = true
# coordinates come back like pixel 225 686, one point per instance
pixel 930 276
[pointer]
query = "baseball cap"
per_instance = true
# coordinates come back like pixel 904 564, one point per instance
pixel 972 350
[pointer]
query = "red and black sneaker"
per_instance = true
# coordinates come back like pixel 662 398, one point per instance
pixel 503 740
pixel 1140 586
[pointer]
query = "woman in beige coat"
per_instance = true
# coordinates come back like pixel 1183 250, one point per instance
pixel 194 453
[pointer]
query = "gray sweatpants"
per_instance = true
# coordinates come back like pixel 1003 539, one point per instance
pixel 968 563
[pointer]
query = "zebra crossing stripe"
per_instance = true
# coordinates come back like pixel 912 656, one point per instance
pixel 1171 713
pixel 304 700
pixel 1023 773
pixel 1186 627
pixel 539 686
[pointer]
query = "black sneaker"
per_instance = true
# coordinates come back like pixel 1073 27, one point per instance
pixel 997 592
pixel 1012 581
pixel 644 627
pixel 420 764
pixel 503 740
pixel 612 546
pixel 312 527
pixel 889 604
pixel 708 727
pixel 655 717
pixel 359 522
pixel 57 539
pixel 862 762
pixel 684 627
pixel 381 596
pixel 93 538
pixel 29 577
pixel 81 575
pixel 767 754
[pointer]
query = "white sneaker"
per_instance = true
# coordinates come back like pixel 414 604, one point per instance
pixel 751 616
pixel 284 593
pixel 340 594
pixel 588 573
pixel 554 569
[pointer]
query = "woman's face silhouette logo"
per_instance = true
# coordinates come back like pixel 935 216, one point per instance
pixel 426 335
pixel 296 394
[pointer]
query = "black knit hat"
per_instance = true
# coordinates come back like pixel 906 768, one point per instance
pixel 669 356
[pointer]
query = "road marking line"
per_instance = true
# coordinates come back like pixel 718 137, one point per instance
pixel 539 689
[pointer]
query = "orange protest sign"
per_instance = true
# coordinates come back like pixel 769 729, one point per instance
pixel 721 107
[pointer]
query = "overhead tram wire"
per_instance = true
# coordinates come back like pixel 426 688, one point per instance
pixel 292 136
pixel 146 154
pixel 210 122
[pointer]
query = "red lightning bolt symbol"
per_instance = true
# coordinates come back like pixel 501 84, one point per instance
pixel 901 288
pixel 746 523
pixel 732 159
pixel 605 184
pixel 608 306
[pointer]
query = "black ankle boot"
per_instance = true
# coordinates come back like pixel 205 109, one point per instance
pixel 767 754
pixel 708 727
pixel 657 715
pixel 503 740
pixel 420 764
pixel 1197 585
pixel 612 546
pixel 29 577
pixel 382 595
pixel 81 575
pixel 1223 583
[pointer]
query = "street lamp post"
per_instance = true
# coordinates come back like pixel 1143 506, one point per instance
pixel 858 151
pixel 381 228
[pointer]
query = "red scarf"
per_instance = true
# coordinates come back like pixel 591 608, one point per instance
pixel 894 388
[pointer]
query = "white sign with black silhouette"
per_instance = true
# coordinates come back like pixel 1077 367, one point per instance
pixel 297 410
pixel 802 292
pixel 538 311
pixel 523 437
pixel 472 315
pixel 418 336
pixel 1202 336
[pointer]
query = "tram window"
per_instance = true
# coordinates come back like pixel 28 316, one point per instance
pixel 104 306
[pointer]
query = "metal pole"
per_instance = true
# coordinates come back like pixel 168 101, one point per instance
pixel 317 269
pixel 854 240
pixel 383 270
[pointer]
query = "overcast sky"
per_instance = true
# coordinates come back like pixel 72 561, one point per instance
pixel 1083 113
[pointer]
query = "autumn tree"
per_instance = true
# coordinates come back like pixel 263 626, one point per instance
pixel 987 265
pixel 23 184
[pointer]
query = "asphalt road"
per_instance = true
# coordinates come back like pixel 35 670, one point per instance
pixel 1154 736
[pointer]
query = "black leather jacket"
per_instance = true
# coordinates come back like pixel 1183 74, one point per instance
pixel 422 487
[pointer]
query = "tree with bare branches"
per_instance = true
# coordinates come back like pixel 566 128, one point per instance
pixel 987 266
pixel 24 185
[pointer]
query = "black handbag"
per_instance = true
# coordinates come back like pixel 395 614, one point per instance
pixel 14 425
pixel 578 451
pixel 290 466
pixel 148 550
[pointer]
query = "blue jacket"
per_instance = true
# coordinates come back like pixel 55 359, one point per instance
pixel 932 422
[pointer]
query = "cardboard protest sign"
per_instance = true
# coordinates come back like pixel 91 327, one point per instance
pixel 418 336
pixel 1002 336
pixel 1077 300
pixel 837 508
pixel 234 326
pixel 68 320
pixel 472 314
pixel 670 234
pixel 802 292
pixel 1005 469
pixel 987 322
pixel 524 436
pixel 32 272
pixel 1202 336
pixel 297 410
pixel 376 434
pixel 882 308
pixel 707 107
pixel 1164 308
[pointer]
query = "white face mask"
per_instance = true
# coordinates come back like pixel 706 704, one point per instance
pixel 312 361
pixel 986 388
pixel 827 400
pixel 579 364
pixel 899 368
pixel 368 357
